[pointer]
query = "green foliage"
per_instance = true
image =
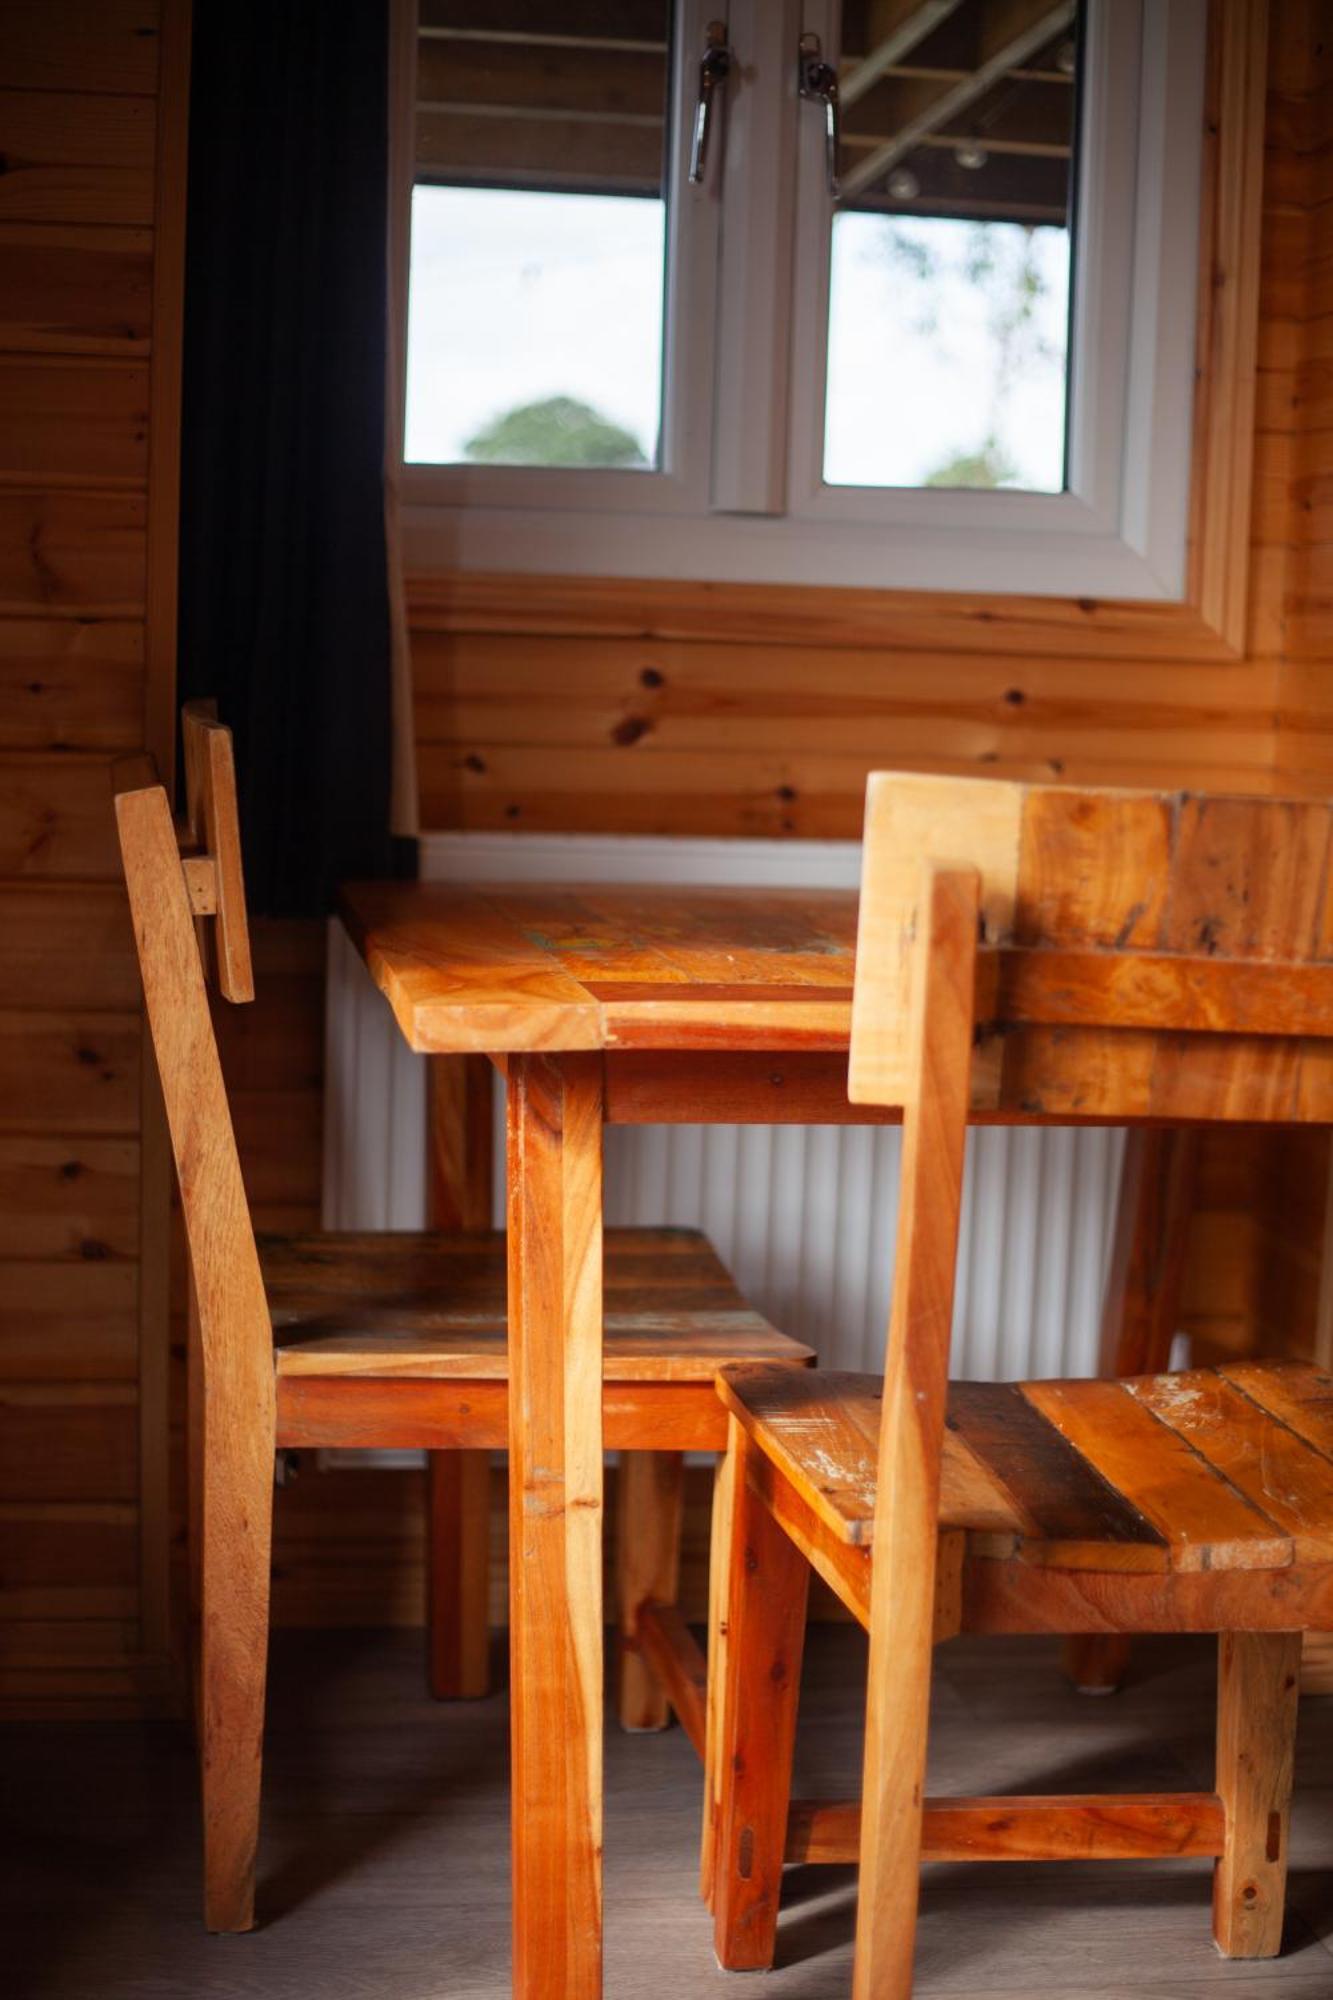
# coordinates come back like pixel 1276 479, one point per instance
pixel 996 261
pixel 558 431
pixel 989 467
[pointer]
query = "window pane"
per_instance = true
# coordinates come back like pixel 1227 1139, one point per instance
pixel 951 256
pixel 537 283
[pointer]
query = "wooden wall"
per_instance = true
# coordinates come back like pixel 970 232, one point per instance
pixel 1305 693
pixel 1294 1200
pixel 91 229
pixel 1299 1184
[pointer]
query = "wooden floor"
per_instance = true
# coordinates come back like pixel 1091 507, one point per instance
pixel 384 1869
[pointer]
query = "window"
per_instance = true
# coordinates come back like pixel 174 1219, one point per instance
pixel 922 315
pixel 536 303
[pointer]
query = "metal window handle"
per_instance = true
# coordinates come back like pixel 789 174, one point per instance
pixel 714 69
pixel 817 82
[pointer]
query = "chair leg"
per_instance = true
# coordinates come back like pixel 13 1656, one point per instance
pixel 767 1580
pixel 235 1559
pixel 194 1510
pixel 459 1549
pixel 649 1496
pixel 717 1658
pixel 1257 1697
pixel 1096 1662
pixel 897 1726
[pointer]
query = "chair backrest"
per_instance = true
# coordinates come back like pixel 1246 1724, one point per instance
pixel 1049 951
pixel 1142 954
pixel 214 876
pixel 224 1262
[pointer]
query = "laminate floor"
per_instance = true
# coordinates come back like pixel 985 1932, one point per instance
pixel 384 1865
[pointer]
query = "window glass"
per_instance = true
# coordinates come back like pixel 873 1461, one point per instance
pixel 537 291
pixel 950 271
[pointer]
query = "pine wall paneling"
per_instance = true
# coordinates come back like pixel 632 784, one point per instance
pixel 1295 1290
pixel 92 130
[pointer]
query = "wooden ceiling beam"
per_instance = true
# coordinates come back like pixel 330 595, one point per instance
pixel 1010 113
pixel 562 155
pixel 895 28
pixel 554 79
pixel 606 23
pixel 1011 187
pixel 1012 32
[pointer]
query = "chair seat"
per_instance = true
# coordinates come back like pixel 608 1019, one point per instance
pixel 1214 1469
pixel 416 1305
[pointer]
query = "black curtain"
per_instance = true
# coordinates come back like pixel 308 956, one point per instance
pixel 284 584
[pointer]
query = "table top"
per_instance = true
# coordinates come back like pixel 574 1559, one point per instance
pixel 494 969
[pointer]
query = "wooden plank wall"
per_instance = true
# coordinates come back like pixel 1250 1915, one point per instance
pixel 91 227
pixel 1291 1296
pixel 1299 1181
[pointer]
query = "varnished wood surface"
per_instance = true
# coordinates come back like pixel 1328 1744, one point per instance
pixel 1071 999
pixel 903 1613
pixel 1147 954
pixel 459 1145
pixel 1011 1827
pixel 385 1851
pixel 555 1524
pixel 460 1413
pixel 759 1635
pixel 495 970
pixel 1189 1472
pixel 395 1305
pixel 232 1379
pixel 213 819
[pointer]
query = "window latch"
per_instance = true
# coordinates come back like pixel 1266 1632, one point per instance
pixel 817 83
pixel 714 69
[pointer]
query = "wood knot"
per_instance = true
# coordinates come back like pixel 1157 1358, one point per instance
pixel 630 730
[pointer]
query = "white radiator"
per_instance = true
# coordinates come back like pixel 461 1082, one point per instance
pixel 802 1215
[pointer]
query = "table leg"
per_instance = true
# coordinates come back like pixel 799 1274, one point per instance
pixel 555 1522
pixel 458 1502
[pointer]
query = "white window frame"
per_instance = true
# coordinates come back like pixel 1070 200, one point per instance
pixel 739 495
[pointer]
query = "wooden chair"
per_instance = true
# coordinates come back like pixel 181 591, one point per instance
pixel 1037 952
pixel 369 1340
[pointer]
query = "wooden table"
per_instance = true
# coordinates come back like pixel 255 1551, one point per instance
pixel 623 1006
